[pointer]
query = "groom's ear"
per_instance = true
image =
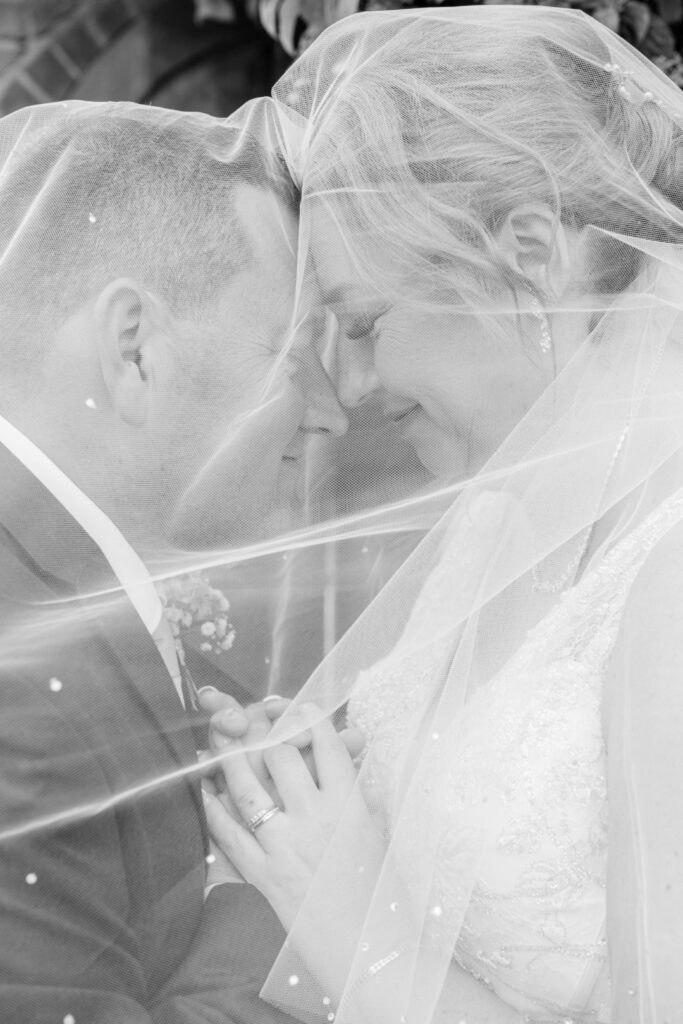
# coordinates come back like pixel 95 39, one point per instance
pixel 125 329
pixel 532 244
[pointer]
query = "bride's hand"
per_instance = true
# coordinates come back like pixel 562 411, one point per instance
pixel 280 856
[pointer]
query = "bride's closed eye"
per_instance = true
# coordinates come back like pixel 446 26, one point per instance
pixel 359 320
pixel 361 327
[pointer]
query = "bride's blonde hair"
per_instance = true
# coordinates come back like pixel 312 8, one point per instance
pixel 434 160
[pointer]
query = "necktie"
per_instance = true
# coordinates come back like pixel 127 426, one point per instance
pixel 188 687
pixel 187 692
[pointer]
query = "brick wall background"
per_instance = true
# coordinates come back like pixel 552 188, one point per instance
pixel 143 50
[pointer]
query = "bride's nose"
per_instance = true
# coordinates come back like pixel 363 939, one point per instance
pixel 356 375
pixel 324 413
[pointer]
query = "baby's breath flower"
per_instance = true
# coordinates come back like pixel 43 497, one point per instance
pixel 190 601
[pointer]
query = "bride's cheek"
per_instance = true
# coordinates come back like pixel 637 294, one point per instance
pixel 399 360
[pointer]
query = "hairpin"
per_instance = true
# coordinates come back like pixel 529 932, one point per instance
pixel 626 84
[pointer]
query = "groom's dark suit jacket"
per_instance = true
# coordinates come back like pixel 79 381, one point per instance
pixel 102 915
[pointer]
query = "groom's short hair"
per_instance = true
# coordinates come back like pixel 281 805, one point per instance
pixel 120 191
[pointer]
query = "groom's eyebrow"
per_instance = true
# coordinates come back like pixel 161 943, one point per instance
pixel 336 295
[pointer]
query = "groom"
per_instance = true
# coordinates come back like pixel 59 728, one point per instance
pixel 146 286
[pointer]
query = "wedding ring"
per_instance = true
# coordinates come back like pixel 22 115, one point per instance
pixel 262 817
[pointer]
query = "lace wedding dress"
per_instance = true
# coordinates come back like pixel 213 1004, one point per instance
pixel 525 771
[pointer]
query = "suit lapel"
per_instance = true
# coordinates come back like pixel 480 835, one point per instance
pixel 151 687
pixel 70 570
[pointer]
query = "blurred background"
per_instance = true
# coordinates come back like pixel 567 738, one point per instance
pixel 171 53
pixel 212 55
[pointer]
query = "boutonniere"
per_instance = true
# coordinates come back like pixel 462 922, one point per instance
pixel 190 602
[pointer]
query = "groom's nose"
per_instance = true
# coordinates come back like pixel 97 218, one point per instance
pixel 323 410
pixel 356 375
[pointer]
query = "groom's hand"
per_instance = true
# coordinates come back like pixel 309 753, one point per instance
pixel 229 722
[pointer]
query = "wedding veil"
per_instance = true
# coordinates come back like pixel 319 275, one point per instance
pixel 401 140
pixel 411 135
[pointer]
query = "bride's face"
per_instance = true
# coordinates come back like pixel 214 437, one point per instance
pixel 454 387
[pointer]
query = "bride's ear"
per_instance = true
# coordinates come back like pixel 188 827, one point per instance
pixel 126 332
pixel 533 245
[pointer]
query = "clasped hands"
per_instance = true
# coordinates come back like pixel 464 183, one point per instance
pixel 310 778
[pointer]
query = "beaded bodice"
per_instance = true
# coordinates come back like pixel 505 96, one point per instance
pixel 520 778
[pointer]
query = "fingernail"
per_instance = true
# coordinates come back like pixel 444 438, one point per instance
pixel 206 797
pixel 272 696
pixel 221 741
pixel 224 714
pixel 207 689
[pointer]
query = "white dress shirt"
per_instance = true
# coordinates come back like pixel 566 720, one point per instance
pixel 125 563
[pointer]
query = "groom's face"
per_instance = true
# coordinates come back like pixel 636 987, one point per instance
pixel 247 393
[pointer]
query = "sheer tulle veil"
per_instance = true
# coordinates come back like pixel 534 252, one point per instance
pixel 404 140
pixel 412 132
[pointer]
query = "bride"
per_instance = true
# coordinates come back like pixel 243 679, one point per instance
pixel 492 218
